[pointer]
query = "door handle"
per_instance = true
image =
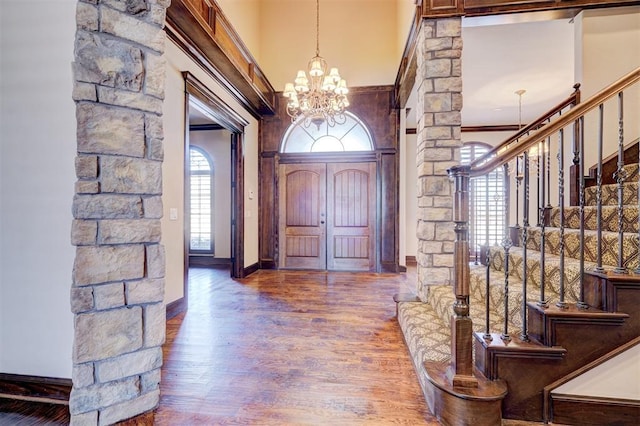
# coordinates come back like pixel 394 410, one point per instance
pixel 322 222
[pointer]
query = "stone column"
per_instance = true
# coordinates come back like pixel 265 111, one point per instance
pixel 439 83
pixel 118 277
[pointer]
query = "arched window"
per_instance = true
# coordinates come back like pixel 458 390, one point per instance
pixel 353 135
pixel 201 202
pixel 487 200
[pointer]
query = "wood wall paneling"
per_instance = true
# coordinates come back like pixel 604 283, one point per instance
pixel 203 32
pixel 374 106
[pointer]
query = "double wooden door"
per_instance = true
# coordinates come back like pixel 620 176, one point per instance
pixel 327 216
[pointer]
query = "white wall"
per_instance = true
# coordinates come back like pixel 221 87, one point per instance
pixel 411 190
pixel 217 143
pixel 36 186
pixel 173 168
pixel 607 46
pixel 360 33
pixel 244 16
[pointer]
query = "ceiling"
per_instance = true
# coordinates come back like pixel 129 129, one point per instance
pixel 504 54
pixel 501 54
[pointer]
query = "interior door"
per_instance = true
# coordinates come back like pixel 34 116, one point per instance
pixel 302 216
pixel 327 216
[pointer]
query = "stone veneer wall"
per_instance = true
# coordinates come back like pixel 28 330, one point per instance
pixel 118 277
pixel 439 82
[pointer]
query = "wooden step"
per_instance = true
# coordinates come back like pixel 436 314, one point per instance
pixel 564 406
pixel 561 340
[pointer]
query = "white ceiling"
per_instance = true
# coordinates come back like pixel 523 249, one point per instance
pixel 500 56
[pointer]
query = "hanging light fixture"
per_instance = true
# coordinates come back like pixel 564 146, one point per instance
pixel 321 96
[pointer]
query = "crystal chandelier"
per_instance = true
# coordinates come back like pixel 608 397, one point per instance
pixel 320 97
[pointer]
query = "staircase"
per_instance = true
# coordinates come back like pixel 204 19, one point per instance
pixel 528 336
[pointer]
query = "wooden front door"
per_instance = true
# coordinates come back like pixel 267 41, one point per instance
pixel 327 216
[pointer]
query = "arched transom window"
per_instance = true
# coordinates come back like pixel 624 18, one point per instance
pixel 353 135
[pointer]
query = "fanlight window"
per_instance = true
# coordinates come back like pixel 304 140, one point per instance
pixel 487 201
pixel 350 136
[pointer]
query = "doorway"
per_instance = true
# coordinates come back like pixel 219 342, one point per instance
pixel 327 216
pixel 231 125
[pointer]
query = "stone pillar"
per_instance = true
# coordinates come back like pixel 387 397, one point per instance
pixel 439 84
pixel 118 276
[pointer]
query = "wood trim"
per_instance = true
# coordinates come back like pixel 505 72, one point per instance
pixel 583 410
pixel 496 128
pixel 406 76
pixel 411 131
pixel 237 206
pixel 222 113
pixel 202 30
pixel 204 127
pixel 411 261
pixel 207 261
pixel 548 414
pixel 176 307
pixel 51 390
pixel 447 8
pixel 251 269
pixel 329 157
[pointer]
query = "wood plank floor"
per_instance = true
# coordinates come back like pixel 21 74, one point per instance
pixel 283 348
pixel 290 348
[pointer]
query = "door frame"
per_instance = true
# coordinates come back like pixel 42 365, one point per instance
pixel 196 92
pixel 335 157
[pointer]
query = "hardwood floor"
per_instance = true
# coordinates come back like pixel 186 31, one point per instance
pixel 310 348
pixel 289 348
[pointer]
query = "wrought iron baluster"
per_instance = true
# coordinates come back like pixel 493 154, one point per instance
pixel 487 331
pixel 542 302
pixel 561 303
pixel 581 303
pixel 548 151
pixel 525 238
pixel 506 245
pixel 539 181
pixel 599 267
pixel 637 270
pixel 518 182
pixel 621 176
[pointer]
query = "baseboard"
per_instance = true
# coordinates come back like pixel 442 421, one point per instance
pixel 411 261
pixel 176 307
pixel 572 409
pixel 51 390
pixel 208 261
pixel 251 269
pixel 268 264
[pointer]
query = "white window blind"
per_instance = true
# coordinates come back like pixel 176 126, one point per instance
pixel 201 172
pixel 487 199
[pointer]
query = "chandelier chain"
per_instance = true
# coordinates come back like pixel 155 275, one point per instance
pixel 319 96
pixel 317 27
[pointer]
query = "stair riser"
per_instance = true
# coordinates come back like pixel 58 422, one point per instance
pixel 552 274
pixel 609 221
pixel 609 244
pixel 610 195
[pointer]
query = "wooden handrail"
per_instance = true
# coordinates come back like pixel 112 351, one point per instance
pixel 571 100
pixel 487 165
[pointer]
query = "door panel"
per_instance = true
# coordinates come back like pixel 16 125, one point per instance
pixel 327 216
pixel 302 216
pixel 351 201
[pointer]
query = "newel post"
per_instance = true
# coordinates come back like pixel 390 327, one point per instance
pixel 461 371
